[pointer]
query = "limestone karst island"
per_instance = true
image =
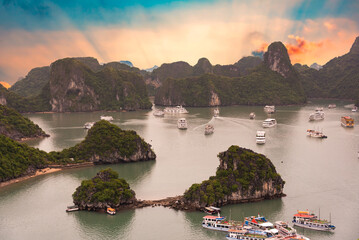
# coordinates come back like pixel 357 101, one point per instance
pixel 195 120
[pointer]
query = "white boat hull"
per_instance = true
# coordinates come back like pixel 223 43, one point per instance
pixel 210 226
pixel 310 226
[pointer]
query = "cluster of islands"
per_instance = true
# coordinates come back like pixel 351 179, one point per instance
pixel 83 85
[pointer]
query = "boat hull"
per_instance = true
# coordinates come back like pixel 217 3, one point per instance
pixel 210 226
pixel 327 229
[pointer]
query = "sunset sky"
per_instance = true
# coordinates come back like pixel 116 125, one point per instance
pixel 34 33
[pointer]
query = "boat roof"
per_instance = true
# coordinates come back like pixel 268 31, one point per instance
pixel 347 117
pixel 266 224
pixel 110 209
pixel 304 215
pixel 214 217
pixel 269 119
pixel 215 208
pixel 181 119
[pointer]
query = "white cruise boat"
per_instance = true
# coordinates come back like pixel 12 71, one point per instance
pixel 158 113
pixel 248 234
pixel 182 123
pixel 260 223
pixel 209 129
pixel 261 137
pixel 269 109
pixel 89 125
pixel 218 223
pixel 308 220
pixel 252 115
pixel 317 115
pixel 216 112
pixel 287 231
pixel 355 109
pixel 269 122
pixel 175 110
pixel 107 118
pixel 332 106
pixel 315 134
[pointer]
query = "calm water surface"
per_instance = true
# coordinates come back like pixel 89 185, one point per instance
pixel 319 174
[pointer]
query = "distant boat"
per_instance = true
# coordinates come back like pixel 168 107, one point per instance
pixel 89 125
pixel 332 106
pixel 269 122
pixel 315 134
pixel 355 109
pixel 261 137
pixel 72 208
pixel 175 110
pixel 182 123
pixel 216 112
pixel 158 113
pixel 212 210
pixel 107 118
pixel 309 220
pixel 252 115
pixel 347 121
pixel 269 109
pixel 209 129
pixel 287 231
pixel 111 211
pixel 317 115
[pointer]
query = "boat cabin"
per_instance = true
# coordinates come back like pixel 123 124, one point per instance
pixel 347 121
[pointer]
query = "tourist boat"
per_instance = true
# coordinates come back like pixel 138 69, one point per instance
pixel 212 210
pixel 248 234
pixel 269 109
pixel 174 110
pixel 89 125
pixel 72 208
pixel 315 134
pixel 209 129
pixel 355 109
pixel 317 115
pixel 107 118
pixel 261 137
pixel 219 223
pixel 309 220
pixel 216 112
pixel 260 223
pixel 347 121
pixel 182 123
pixel 111 211
pixel 269 122
pixel 252 115
pixel 332 106
pixel 287 231
pixel 158 113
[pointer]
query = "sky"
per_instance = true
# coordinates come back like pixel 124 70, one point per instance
pixel 35 33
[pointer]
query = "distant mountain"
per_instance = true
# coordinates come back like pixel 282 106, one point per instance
pixel 273 81
pixel 128 63
pixel 316 66
pixel 339 78
pixel 151 69
pixel 79 84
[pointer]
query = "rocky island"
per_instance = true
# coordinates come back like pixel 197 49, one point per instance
pixel 18 127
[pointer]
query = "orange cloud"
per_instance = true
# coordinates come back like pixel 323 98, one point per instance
pixel 301 46
pixel 5 84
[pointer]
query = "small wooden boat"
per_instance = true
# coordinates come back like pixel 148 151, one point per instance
pixel 72 208
pixel 212 210
pixel 252 115
pixel 332 106
pixel 209 129
pixel 111 211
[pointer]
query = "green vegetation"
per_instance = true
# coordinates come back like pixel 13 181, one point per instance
pixel 18 159
pixel 104 190
pixel 240 170
pixel 16 126
pixel 105 141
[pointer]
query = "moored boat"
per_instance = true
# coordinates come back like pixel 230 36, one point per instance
pixel 260 223
pixel 212 210
pixel 252 115
pixel 158 113
pixel 219 223
pixel 269 122
pixel 309 220
pixel 111 211
pixel 72 208
pixel 248 234
pixel 315 134
pixel 287 231
pixel 269 109
pixel 347 121
pixel 175 110
pixel 209 129
pixel 216 112
pixel 107 118
pixel 182 123
pixel 261 137
pixel 89 125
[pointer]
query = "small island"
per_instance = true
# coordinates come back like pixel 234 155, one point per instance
pixel 104 190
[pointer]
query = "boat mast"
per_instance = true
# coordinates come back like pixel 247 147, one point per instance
pixel 319 213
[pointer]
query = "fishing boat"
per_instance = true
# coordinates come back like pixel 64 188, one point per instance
pixel 158 113
pixel 89 125
pixel 175 110
pixel 317 115
pixel 261 137
pixel 212 210
pixel 309 220
pixel 260 223
pixel 216 112
pixel 252 115
pixel 315 134
pixel 107 118
pixel 347 121
pixel 287 231
pixel 332 106
pixel 269 109
pixel 111 211
pixel 182 123
pixel 248 234
pixel 269 122
pixel 219 223
pixel 355 109
pixel 209 129
pixel 72 208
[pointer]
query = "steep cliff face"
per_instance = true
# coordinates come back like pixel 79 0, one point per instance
pixel 203 66
pixel 355 47
pixel 242 176
pixel 277 59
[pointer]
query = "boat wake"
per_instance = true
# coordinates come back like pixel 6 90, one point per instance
pixel 203 125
